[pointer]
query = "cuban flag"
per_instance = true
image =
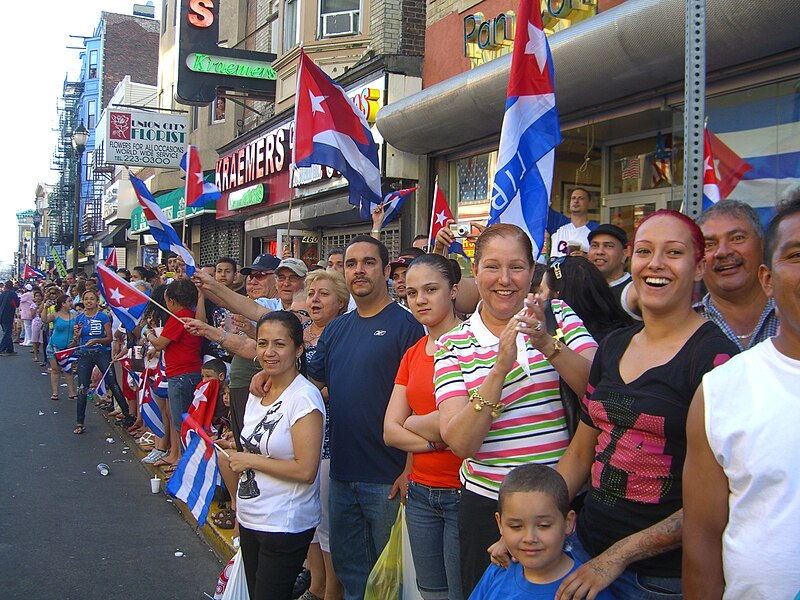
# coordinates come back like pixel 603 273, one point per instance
pixel 66 358
pixel 166 237
pixel 195 479
pixel 31 273
pixel 530 133
pixel 160 386
pixel 440 216
pixel 151 414
pixel 127 302
pixel 111 259
pixel 101 389
pixel 131 380
pixel 392 203
pixel 331 131
pixel 202 407
pixel 710 186
pixel 198 191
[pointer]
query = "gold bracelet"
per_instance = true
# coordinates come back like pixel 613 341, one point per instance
pixel 479 402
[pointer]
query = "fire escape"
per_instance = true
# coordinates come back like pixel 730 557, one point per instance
pixel 61 204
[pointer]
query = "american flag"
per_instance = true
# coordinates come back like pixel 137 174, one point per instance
pixel 630 168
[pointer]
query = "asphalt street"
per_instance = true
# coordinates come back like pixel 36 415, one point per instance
pixel 68 533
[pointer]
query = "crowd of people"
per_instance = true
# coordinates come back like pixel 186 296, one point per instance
pixel 564 430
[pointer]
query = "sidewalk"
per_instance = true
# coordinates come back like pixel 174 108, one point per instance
pixel 220 540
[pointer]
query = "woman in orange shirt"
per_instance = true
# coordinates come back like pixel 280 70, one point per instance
pixel 412 424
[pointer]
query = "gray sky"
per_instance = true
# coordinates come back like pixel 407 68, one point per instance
pixel 37 62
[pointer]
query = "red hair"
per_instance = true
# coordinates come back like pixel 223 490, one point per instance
pixel 698 241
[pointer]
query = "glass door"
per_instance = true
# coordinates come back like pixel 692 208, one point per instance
pixel 301 244
pixel 627 210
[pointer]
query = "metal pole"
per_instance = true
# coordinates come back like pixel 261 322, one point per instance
pixel 35 245
pixel 694 106
pixel 76 218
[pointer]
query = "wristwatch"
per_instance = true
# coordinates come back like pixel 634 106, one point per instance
pixel 557 348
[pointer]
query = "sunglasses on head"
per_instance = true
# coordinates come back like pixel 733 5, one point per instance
pixel 261 274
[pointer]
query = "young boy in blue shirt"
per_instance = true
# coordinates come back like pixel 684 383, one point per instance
pixel 534 519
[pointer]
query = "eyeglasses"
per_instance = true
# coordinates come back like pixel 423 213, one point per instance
pixel 261 274
pixel 290 278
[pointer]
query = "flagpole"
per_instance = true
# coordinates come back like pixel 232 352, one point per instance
pixel 433 213
pixel 186 197
pixel 292 168
pixel 218 449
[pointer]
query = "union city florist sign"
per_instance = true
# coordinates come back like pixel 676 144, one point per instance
pixel 147 139
pixel 204 66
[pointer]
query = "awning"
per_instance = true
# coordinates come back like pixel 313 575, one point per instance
pixel 115 237
pixel 625 55
pixel 172 203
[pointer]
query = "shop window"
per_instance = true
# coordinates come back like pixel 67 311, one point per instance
pixel 92 74
pixel 339 17
pixel 473 186
pixel 645 165
pixel 291 24
pixel 91 114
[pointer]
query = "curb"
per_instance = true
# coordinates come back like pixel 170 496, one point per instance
pixel 220 540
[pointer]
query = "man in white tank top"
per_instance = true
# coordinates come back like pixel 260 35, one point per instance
pixel 741 487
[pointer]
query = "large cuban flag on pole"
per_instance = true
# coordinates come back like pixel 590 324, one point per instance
pixel 530 133
pixel 331 131
pixel 164 234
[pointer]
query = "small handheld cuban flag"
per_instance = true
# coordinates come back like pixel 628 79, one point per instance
pixel 195 479
pixel 440 215
pixel 151 414
pixel 392 203
pixel 202 407
pixel 111 259
pixel 66 358
pixel 160 386
pixel 31 273
pixel 127 302
pixel 530 133
pixel 711 193
pixel 166 237
pixel 198 191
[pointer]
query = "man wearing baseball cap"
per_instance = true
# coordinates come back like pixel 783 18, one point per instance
pixel 291 277
pixel 608 251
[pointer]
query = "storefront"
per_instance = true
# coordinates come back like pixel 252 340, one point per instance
pixel 619 91
pixel 173 205
pixel 254 176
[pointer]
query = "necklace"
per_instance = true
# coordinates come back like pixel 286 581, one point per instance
pixel 748 335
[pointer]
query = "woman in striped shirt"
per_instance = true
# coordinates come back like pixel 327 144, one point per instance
pixel 497 385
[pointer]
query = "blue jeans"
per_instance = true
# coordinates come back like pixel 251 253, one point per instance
pixel 630 585
pixel 88 359
pixel 7 344
pixel 361 519
pixel 432 518
pixel 181 393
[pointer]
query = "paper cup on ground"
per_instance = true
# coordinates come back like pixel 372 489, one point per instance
pixel 155 485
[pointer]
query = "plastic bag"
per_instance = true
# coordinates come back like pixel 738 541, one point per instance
pixel 393 577
pixel 232 584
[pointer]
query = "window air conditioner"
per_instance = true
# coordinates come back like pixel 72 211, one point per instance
pixel 340 23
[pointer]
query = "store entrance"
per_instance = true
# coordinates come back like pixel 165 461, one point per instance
pixel 627 210
pixel 301 244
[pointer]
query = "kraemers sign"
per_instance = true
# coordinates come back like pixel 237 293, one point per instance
pixel 204 66
pixel 147 139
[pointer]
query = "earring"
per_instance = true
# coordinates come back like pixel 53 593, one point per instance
pixel 298 364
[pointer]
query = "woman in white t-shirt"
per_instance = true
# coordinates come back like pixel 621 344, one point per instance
pixel 278 505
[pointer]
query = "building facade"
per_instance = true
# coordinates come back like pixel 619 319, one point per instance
pixel 619 92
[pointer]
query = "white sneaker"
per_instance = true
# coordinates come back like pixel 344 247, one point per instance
pixel 154 456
